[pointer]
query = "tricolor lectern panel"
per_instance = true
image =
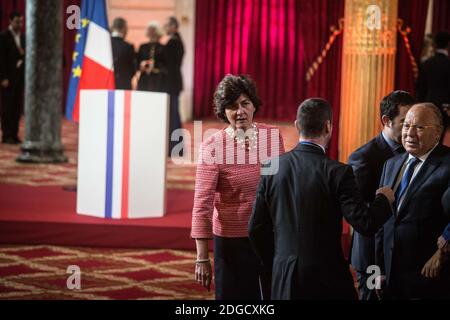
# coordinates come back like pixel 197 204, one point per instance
pixel 123 143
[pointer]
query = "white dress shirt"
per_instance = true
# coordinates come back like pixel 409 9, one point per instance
pixel 442 51
pixel 16 37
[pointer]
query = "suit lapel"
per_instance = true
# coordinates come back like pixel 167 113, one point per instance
pixel 309 148
pixel 13 42
pixel 427 169
pixel 396 168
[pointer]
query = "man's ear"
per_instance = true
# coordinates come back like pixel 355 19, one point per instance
pixel 328 127
pixel 386 121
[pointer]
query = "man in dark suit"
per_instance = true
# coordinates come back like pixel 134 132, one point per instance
pixel 123 54
pixel 12 61
pixel 173 53
pixel 296 225
pixel 433 83
pixel 367 163
pixel 420 178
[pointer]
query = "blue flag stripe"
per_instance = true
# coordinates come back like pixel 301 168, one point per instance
pixel 109 155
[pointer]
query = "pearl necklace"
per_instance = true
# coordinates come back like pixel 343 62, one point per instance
pixel 241 138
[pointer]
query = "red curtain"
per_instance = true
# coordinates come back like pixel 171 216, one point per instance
pixel 274 41
pixel 414 15
pixel 326 83
pixel 441 15
pixel 276 57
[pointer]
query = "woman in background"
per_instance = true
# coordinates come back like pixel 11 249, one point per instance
pixel 153 74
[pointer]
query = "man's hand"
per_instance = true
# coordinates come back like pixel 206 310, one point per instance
pixel 433 266
pixel 142 65
pixel 388 193
pixel 146 66
pixel 5 83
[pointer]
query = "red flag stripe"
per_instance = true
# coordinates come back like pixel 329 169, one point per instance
pixel 94 76
pixel 126 155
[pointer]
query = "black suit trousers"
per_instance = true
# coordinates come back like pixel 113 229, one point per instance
pixel 174 122
pixel 12 99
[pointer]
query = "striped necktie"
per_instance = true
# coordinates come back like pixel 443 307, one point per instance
pixel 406 179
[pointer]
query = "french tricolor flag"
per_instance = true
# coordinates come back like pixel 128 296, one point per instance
pixel 92 66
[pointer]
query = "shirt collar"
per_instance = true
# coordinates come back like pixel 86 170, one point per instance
pixel 116 34
pixel 391 143
pixel 314 144
pixel 425 156
pixel 442 51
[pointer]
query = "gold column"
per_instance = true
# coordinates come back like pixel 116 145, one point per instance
pixel 368 66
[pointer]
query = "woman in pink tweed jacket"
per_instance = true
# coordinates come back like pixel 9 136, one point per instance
pixel 228 173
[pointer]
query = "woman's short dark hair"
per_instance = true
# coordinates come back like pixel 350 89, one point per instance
pixel 230 89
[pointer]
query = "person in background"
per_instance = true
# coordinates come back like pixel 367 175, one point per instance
pixel 433 83
pixel 124 55
pixel 12 73
pixel 153 73
pixel 225 189
pixel 367 163
pixel 428 49
pixel 173 57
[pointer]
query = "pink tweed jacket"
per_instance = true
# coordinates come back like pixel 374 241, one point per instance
pixel 225 184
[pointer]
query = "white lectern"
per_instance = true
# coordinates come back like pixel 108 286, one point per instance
pixel 123 143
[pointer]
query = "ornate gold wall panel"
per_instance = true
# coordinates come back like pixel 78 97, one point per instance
pixel 368 69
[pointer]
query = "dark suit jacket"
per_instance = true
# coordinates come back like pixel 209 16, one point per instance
pixel 446 200
pixel 410 235
pixel 173 56
pixel 124 62
pixel 296 225
pixel 367 163
pixel 9 56
pixel 433 84
pixel 446 206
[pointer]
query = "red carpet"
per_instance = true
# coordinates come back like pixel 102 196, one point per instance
pixel 40 272
pixel 46 215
